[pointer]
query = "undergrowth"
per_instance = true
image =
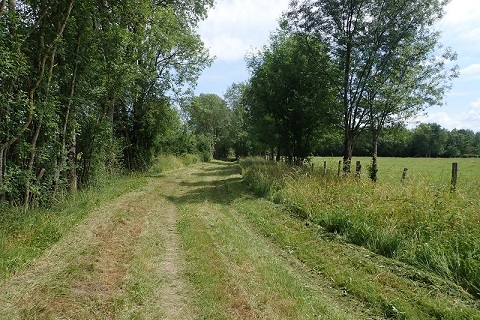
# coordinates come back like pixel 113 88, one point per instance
pixel 419 222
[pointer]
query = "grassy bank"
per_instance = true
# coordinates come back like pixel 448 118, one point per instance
pixel 24 235
pixel 419 222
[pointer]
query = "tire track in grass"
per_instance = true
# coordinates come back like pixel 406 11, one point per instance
pixel 248 276
pixel 92 272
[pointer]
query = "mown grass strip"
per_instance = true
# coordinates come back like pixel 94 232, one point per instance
pixel 236 272
pixel 25 235
pixel 391 289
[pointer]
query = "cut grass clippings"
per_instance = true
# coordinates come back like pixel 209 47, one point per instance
pixel 25 235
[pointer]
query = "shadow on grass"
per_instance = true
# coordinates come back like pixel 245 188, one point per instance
pixel 224 186
pixel 220 170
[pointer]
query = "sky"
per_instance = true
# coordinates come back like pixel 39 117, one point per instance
pixel 236 27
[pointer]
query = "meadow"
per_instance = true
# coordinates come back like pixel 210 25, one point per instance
pixel 435 170
pixel 420 222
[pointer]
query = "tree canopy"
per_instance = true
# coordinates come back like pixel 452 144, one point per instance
pixel 289 96
pixel 386 55
pixel 87 87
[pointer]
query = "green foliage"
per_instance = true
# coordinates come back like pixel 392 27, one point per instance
pixel 85 90
pixel 209 118
pixel 388 67
pixel 289 97
pixel 420 222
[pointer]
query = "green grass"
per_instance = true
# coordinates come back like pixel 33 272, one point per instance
pixel 434 170
pixel 165 163
pixel 420 222
pixel 236 276
pixel 24 235
pixel 386 288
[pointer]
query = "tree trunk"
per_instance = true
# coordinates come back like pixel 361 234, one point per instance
pixel 73 165
pixel 26 200
pixel 3 154
pixel 69 156
pixel 347 153
pixel 2 6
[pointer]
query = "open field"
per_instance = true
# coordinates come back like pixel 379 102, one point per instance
pixel 436 170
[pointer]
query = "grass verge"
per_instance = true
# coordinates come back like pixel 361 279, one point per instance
pixel 390 289
pixel 419 222
pixel 25 235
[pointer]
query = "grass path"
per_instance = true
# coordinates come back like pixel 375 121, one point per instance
pixel 194 244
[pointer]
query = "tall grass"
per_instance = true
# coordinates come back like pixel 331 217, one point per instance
pixel 420 222
pixel 164 163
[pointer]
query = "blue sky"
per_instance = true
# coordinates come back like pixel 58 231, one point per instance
pixel 236 27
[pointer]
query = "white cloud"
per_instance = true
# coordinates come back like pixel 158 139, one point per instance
pixel 466 118
pixel 462 12
pixel 446 120
pixel 234 26
pixel 473 69
pixel 476 104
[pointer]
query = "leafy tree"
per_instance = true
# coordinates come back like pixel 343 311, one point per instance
pixel 240 137
pixel 395 141
pixel 209 117
pixel 428 140
pixel 85 88
pixel 460 143
pixel 371 42
pixel 289 95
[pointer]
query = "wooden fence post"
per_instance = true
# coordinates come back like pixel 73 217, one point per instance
pixel 339 167
pixel 324 168
pixel 404 174
pixel 359 168
pixel 454 176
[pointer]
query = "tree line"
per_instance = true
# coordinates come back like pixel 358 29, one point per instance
pixel 348 69
pixel 237 134
pixel 88 87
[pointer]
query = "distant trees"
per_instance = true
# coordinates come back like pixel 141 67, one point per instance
pixel 241 141
pixel 425 140
pixel 84 88
pixel 209 118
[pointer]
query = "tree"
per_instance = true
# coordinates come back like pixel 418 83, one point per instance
pixel 371 42
pixel 209 117
pixel 289 95
pixel 87 86
pixel 239 130
pixel 429 140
